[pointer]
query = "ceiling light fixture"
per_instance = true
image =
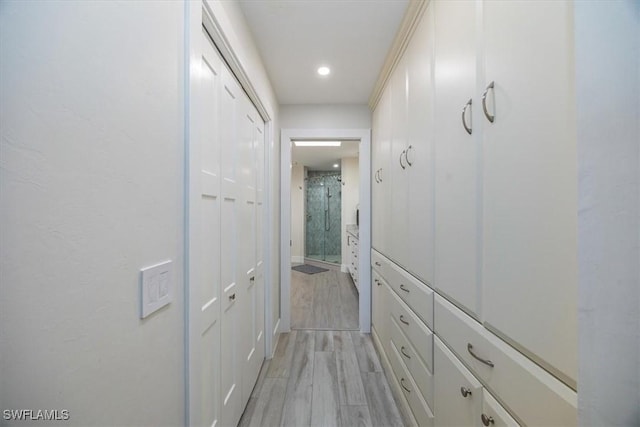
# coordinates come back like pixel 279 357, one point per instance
pixel 336 165
pixel 317 143
pixel 324 71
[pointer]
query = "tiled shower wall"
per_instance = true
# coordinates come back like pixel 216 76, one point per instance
pixel 324 209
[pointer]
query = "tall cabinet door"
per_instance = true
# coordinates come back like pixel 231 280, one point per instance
pixel 398 223
pixel 456 154
pixel 381 206
pixel 419 154
pixel 530 181
pixel 231 383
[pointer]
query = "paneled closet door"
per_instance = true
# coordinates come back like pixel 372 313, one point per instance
pixel 232 192
pixel 247 245
pixel 399 189
pixel 259 333
pixel 376 184
pixel 456 153
pixel 530 181
pixel 207 281
pixel 419 152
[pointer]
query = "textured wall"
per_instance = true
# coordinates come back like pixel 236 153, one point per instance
pixel 91 190
pixel 608 108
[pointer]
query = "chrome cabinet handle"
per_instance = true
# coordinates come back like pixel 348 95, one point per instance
pixel 403 386
pixel 464 120
pixel 404 354
pixel 232 297
pixel 488 115
pixel 485 361
pixel 404 288
pixel 252 278
pixel 380 174
pixel 378 264
pixel 406 155
pixel 486 420
pixel 402 164
pixel 465 392
pixel 378 282
pixel 402 320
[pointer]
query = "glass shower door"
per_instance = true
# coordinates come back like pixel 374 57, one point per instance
pixel 323 225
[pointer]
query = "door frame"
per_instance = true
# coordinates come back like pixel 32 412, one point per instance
pixel 287 136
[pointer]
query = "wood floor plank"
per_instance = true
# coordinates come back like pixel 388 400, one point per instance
pixel 349 379
pixel 342 341
pixel 268 406
pixel 325 404
pixel 263 374
pixel 299 394
pixel 366 352
pixel 324 340
pixel 382 407
pixel 355 416
pixel 281 363
pixel 349 302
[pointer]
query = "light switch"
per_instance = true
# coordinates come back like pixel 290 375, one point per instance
pixel 155 288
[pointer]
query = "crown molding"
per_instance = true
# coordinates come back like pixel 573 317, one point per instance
pixel 410 21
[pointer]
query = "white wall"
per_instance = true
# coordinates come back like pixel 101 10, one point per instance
pixel 91 190
pixel 335 116
pixel 350 199
pixel 297 213
pixel 608 91
pixel 238 35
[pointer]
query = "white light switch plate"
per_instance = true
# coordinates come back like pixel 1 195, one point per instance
pixel 156 288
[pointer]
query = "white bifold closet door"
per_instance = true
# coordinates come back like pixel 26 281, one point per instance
pixel 227 244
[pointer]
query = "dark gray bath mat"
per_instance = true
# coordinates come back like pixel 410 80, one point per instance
pixel 309 269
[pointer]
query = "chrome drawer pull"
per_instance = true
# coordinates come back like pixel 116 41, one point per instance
pixel 377 281
pixel 486 420
pixel 403 386
pixel 232 297
pixel 402 164
pixel 378 264
pixel 465 392
pixel 464 120
pixel 403 353
pixel 488 115
pixel 402 320
pixel 403 288
pixel 485 361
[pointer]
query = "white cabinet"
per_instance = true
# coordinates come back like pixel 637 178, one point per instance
pixel 456 153
pixel 478 120
pixel 352 256
pixel 403 218
pixel 530 182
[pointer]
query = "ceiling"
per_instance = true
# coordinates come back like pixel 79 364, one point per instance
pixel 323 158
pixel 295 37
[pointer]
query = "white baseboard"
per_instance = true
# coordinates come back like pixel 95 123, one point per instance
pixel 297 259
pixel 344 268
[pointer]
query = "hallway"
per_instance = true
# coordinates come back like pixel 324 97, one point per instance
pixel 322 378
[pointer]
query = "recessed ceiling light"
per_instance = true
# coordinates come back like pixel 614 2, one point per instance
pixel 317 143
pixel 336 165
pixel 324 71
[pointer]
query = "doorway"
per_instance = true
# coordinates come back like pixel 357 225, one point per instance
pixel 323 215
pixel 361 138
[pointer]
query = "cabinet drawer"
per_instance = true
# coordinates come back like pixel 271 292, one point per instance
pixel 414 293
pixel 416 366
pixel 536 397
pixel 419 408
pixel 420 337
pixel 493 414
pixel 458 394
pixel 417 295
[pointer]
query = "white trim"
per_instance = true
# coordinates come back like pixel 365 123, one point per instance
pixel 364 256
pixel 344 268
pixel 410 21
pixel 297 259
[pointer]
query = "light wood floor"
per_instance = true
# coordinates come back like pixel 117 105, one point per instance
pixel 327 300
pixel 322 378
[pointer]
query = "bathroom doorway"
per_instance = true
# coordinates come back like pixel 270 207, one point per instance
pixel 323 216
